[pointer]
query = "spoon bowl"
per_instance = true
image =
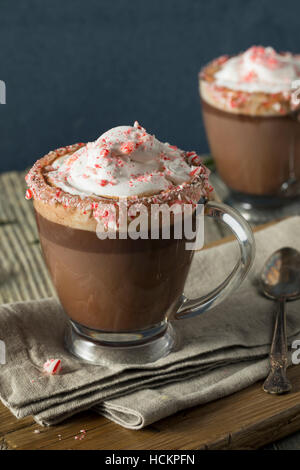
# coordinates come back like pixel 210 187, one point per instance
pixel 280 280
pixel 280 277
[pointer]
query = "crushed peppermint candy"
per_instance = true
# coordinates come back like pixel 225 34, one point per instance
pixel 28 194
pixel 85 177
pixel 80 436
pixel 252 82
pixel 102 167
pixel 52 366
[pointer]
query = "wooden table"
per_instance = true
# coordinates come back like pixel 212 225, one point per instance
pixel 245 420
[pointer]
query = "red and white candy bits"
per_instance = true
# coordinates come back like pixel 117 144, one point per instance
pixel 127 147
pixel 52 366
pixel 28 194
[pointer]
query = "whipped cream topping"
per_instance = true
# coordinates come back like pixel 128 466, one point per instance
pixel 259 69
pixel 124 161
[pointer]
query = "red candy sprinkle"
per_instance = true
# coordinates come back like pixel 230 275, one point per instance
pixel 127 147
pixel 103 182
pixel 29 194
pixel 250 76
pixel 267 57
pixel 52 366
pixel 193 172
pixel 104 152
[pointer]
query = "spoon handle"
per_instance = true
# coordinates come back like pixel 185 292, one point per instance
pixel 277 382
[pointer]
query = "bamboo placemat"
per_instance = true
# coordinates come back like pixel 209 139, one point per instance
pixel 23 272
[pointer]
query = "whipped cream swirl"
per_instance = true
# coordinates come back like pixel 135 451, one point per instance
pixel 124 161
pixel 259 69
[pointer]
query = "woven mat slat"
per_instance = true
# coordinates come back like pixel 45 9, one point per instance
pixel 23 275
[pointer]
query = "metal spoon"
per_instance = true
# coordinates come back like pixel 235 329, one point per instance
pixel 280 280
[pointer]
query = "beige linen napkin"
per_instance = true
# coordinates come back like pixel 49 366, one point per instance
pixel 221 351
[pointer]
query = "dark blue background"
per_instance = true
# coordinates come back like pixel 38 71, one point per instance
pixel 75 68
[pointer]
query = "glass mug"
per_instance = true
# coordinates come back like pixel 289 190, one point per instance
pixel 121 294
pixel 257 157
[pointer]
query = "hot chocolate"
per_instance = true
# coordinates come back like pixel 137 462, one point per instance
pixel 252 123
pixel 114 285
pixel 120 287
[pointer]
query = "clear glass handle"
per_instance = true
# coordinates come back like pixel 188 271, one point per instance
pixel 243 233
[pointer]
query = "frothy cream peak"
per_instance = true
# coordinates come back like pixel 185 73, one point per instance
pixel 124 161
pixel 259 69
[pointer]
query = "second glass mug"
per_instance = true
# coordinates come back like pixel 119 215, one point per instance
pixel 121 295
pixel 258 158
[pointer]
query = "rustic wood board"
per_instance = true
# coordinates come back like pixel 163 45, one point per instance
pixel 245 420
